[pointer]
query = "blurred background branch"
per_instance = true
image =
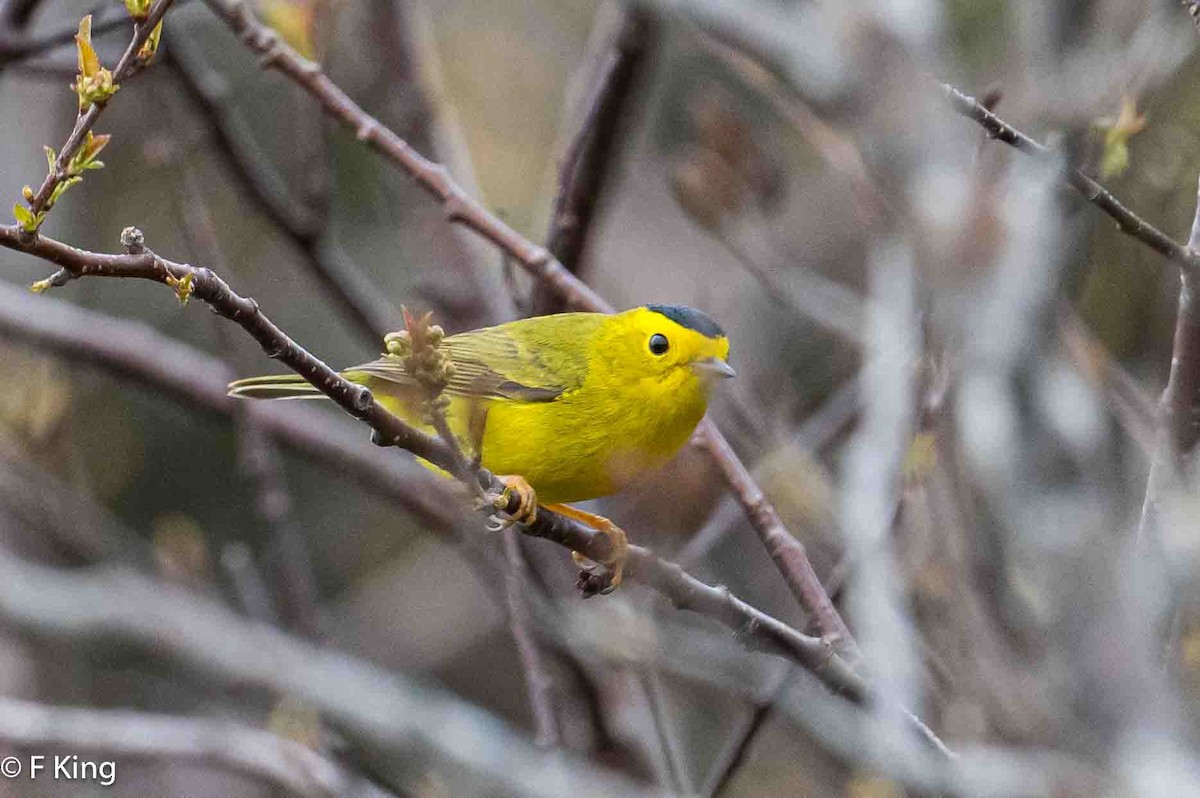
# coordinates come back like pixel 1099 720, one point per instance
pixel 112 733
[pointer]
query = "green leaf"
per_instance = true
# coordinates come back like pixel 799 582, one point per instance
pixel 51 158
pixel 23 216
pixel 61 189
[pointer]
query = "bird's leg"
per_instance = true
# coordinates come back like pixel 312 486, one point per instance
pixel 526 512
pixel 618 545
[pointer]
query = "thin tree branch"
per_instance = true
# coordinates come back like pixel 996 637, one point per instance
pixel 733 753
pixel 586 161
pixel 1127 221
pixel 434 178
pixel 788 553
pixel 17 13
pixel 115 733
pixel 763 32
pixel 538 681
pixel 86 120
pixel 1179 408
pixel 17 48
pixel 430 121
pixel 369 310
pixel 683 590
pixel 464 209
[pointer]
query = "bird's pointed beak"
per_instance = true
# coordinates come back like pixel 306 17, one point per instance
pixel 713 367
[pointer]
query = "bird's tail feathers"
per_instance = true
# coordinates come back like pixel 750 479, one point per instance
pixel 278 386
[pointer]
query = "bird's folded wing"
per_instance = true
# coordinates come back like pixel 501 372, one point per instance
pixel 490 364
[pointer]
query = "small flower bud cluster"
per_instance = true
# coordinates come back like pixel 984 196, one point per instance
pixel 418 349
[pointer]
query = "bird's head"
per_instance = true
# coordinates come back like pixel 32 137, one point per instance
pixel 676 340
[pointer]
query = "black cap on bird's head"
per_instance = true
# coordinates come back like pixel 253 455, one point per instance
pixel 690 318
pixel 681 336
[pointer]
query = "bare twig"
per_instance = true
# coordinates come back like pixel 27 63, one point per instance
pixel 1127 221
pixel 16 48
pixel 537 677
pixel 772 33
pixel 1179 408
pixel 429 119
pixel 114 733
pixel 434 178
pixel 733 753
pixel 343 281
pixel 586 161
pixel 787 552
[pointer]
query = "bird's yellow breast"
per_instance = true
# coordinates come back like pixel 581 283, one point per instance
pixel 595 440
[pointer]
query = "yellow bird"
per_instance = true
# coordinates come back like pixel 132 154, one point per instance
pixel 570 407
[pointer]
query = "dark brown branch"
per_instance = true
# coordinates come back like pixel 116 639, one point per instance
pixel 788 553
pixel 16 48
pixel 734 752
pixel 586 161
pixel 464 209
pixel 17 13
pixel 115 733
pixel 434 178
pixel 683 590
pixel 1127 221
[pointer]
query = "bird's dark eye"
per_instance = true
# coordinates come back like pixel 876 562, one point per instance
pixel 659 344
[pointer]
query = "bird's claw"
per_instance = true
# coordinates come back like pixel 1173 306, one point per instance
pixel 593 581
pixel 527 506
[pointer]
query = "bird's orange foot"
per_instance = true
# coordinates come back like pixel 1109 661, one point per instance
pixel 592 582
pixel 527 506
